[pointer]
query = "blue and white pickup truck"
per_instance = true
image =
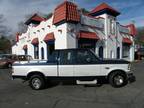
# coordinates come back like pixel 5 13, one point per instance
pixel 80 65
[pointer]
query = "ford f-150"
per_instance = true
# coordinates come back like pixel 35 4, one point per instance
pixel 79 65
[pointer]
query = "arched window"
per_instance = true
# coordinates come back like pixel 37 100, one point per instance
pixel 42 53
pixel 25 51
pixel 118 53
pixel 101 52
pixel 36 51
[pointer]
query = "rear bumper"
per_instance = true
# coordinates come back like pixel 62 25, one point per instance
pixel 131 78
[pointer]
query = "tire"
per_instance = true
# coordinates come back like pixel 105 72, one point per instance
pixel 118 79
pixel 9 65
pixel 37 82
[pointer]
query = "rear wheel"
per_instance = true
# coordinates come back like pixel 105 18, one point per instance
pixel 9 65
pixel 118 79
pixel 37 82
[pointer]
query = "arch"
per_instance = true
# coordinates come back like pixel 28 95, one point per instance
pixel 42 53
pixel 101 52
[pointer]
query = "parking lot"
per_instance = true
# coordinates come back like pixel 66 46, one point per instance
pixel 15 94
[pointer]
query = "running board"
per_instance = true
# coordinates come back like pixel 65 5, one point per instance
pixel 86 82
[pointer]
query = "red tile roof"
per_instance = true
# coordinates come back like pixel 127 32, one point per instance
pixel 67 11
pixel 133 30
pixel 104 6
pixel 25 47
pixel 127 40
pixel 35 17
pixel 88 35
pixel 35 41
pixel 49 37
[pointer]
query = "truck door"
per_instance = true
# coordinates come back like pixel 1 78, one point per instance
pixel 87 64
pixel 66 63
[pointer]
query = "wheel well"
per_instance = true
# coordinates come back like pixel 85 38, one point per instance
pixel 123 72
pixel 35 73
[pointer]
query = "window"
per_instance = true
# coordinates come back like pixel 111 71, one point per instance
pixel 118 53
pixel 101 52
pixel 36 52
pixel 42 53
pixel 53 57
pixel 112 27
pixel 66 57
pixel 25 51
pixel 87 43
pixel 85 57
pixel 126 50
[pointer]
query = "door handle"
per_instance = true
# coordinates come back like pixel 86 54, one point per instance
pixel 107 68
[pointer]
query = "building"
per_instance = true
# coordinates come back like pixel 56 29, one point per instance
pixel 69 27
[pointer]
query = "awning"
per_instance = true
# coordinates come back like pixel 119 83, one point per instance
pixel 49 37
pixel 25 47
pixel 88 35
pixel 35 41
pixel 127 40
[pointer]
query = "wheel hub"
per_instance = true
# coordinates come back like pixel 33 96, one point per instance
pixel 119 80
pixel 36 83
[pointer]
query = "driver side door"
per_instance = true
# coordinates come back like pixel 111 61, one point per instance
pixel 87 64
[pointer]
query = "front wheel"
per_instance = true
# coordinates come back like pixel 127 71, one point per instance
pixel 37 82
pixel 118 79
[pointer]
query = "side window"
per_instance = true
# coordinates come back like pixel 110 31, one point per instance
pixel 86 57
pixel 53 56
pixel 66 57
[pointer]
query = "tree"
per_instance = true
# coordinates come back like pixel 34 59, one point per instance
pixel 5 45
pixel 140 36
pixel 4 30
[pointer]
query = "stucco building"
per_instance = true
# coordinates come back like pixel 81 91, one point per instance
pixel 69 27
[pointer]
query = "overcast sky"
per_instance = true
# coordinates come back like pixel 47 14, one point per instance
pixel 15 10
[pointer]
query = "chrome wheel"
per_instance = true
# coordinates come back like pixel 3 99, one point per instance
pixel 36 83
pixel 119 80
pixel 9 65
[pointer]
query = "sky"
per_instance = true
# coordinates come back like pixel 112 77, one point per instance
pixel 15 11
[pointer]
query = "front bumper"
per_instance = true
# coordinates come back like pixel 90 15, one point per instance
pixel 131 77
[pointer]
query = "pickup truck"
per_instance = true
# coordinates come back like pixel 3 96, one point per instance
pixel 79 65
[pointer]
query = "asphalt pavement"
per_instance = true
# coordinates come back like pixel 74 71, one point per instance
pixel 16 94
